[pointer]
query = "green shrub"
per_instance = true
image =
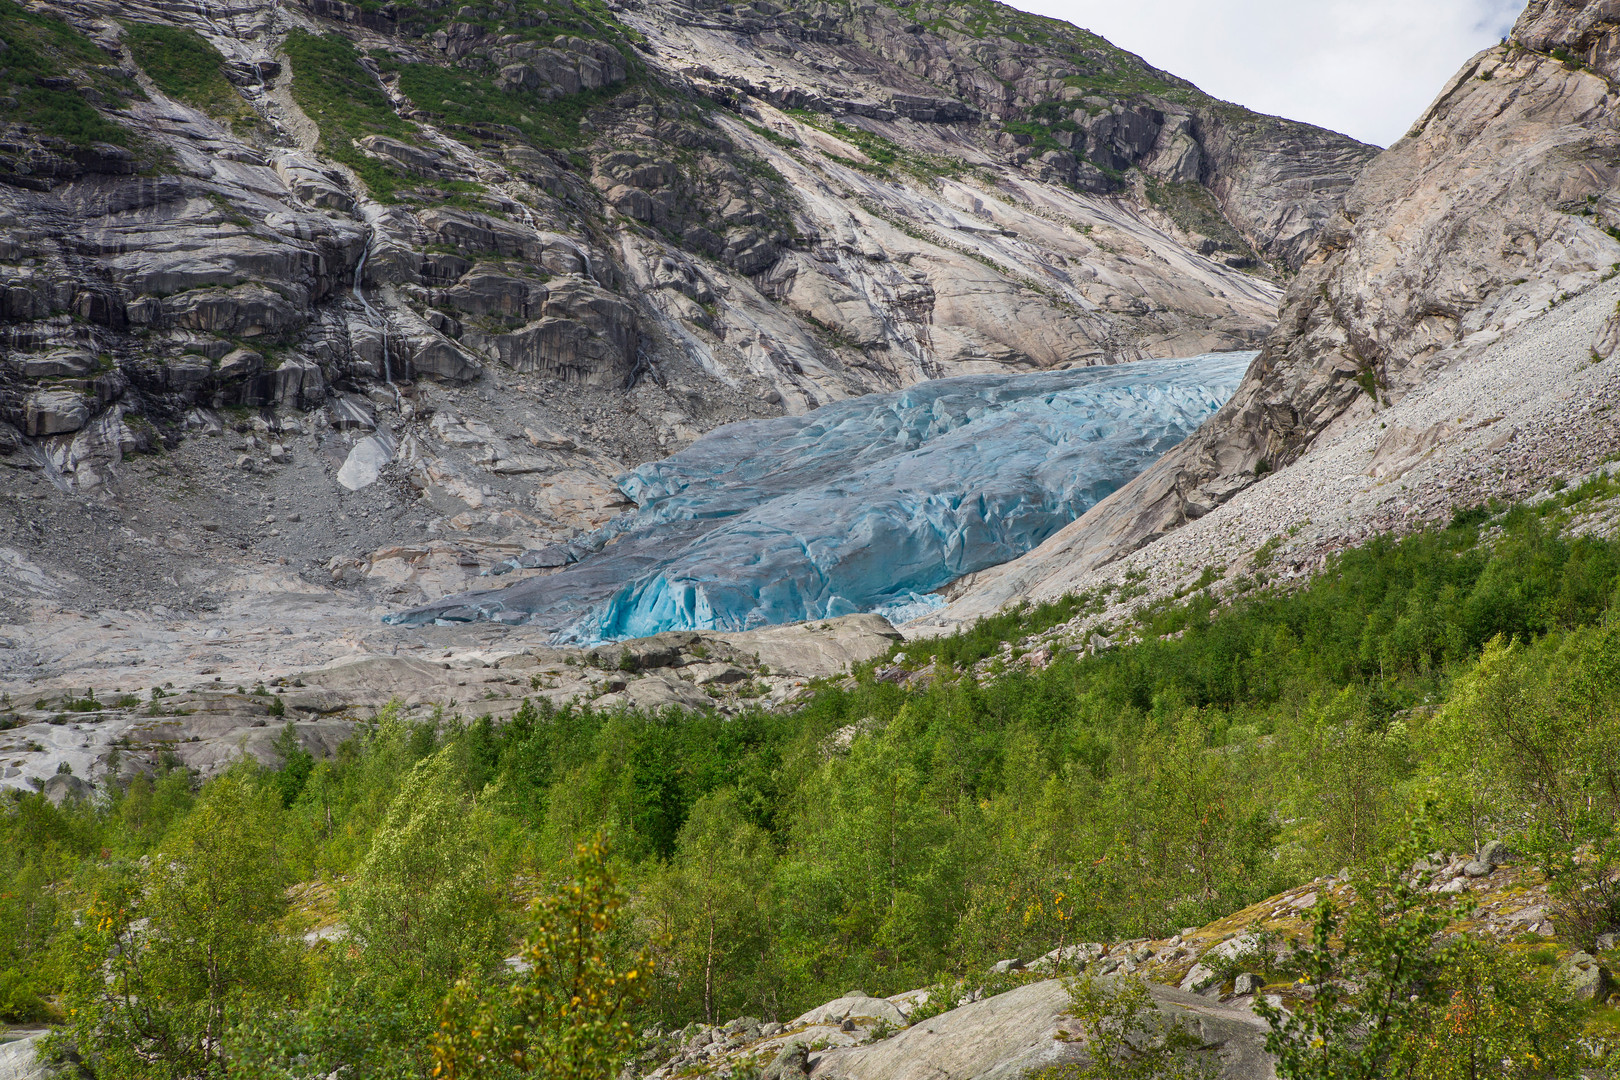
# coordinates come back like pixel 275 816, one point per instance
pixel 20 1002
pixel 471 101
pixel 187 68
pixel 345 101
pixel 42 46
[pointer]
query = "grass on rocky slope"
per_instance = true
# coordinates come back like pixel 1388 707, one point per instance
pixel 470 103
pixel 531 20
pixel 41 47
pixel 341 96
pixel 1102 68
pixel 1193 209
pixel 188 69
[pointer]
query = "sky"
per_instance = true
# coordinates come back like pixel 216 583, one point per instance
pixel 1367 68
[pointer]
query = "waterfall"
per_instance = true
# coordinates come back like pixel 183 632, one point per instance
pixel 585 256
pixel 372 314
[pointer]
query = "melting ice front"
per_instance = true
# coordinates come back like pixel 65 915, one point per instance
pixel 866 504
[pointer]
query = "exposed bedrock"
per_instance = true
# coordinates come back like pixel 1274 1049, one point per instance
pixel 1499 204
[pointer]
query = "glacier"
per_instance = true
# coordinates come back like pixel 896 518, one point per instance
pixel 865 504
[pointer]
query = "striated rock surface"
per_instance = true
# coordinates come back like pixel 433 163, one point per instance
pixel 1497 207
pixel 387 296
pixel 1001 1037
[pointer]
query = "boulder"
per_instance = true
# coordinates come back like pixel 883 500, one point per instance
pixel 663 690
pixel 20 1060
pixel 366 461
pixel 791 1063
pixel 1493 853
pixel 239 364
pixel 1199 979
pixel 1587 979
pixel 55 364
pixel 63 788
pixel 854 1006
pixel 816 649
pixel 1016 1033
pixel 715 674
pixel 55 412
pixel 644 654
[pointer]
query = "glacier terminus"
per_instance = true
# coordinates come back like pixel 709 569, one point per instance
pixel 865 504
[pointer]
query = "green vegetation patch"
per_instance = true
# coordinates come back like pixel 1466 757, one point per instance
pixel 341 96
pixel 882 835
pixel 40 50
pixel 532 20
pixel 884 155
pixel 471 102
pixel 188 69
pixel 1194 210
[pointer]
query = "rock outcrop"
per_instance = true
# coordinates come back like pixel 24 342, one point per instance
pixel 1498 206
pixel 398 293
pixel 930 198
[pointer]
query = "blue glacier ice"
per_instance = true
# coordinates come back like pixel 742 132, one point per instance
pixel 866 504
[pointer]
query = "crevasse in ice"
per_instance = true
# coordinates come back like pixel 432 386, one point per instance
pixel 865 504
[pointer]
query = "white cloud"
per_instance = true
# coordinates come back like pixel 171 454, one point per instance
pixel 1367 68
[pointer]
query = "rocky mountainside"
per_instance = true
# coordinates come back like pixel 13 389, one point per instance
pixel 1451 253
pixel 385 294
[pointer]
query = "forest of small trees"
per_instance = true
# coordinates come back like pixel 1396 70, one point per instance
pixel 680 867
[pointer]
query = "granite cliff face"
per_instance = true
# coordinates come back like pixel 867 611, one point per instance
pixel 1498 206
pixel 380 296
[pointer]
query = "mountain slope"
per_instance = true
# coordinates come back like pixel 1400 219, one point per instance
pixel 1497 207
pixel 418 281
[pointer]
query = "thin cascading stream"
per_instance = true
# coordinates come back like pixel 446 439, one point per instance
pixel 373 316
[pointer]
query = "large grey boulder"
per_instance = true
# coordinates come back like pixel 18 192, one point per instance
pixel 654 692
pixel 63 788
pixel 366 461
pixel 55 412
pixel 20 1060
pixel 855 1007
pixel 816 649
pixel 1588 979
pixel 1007 1036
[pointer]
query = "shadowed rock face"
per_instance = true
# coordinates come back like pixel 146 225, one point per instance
pixel 1498 204
pixel 382 355
pixel 940 195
